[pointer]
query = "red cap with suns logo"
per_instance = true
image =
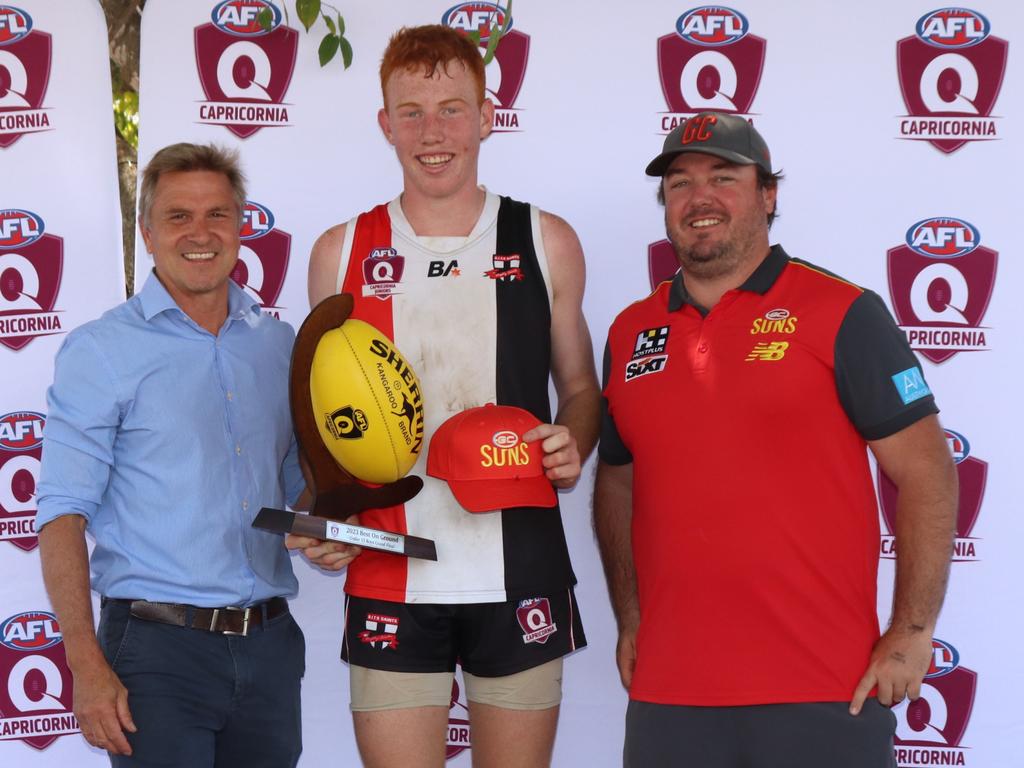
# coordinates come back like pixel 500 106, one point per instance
pixel 481 454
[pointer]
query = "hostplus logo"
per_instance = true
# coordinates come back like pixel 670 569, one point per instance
pixel 263 257
pixel 21 448
pixel 972 474
pixel 930 731
pixel 506 72
pixel 25 56
pixel 951 71
pixel 31 262
pixel 710 63
pixel 244 69
pixel 940 283
pixel 35 683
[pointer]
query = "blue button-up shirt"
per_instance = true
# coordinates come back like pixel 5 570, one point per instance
pixel 168 440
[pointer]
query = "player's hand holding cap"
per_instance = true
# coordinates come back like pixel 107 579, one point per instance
pixel 480 452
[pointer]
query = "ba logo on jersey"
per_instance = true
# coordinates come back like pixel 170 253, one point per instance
pixel 972 474
pixel 263 257
pixel 244 70
pixel 930 731
pixel 31 262
pixel 25 55
pixel 710 62
pixel 35 683
pixel 940 283
pixel 507 70
pixel 534 616
pixel 21 447
pixel 950 74
pixel 382 273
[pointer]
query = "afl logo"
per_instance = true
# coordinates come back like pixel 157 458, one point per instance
pixel 951 28
pixel 21 431
pixel 943 238
pixel 777 314
pixel 257 220
pixel 958 445
pixel 241 17
pixel 476 17
pixel 945 658
pixel 30 631
pixel 19 228
pixel 14 24
pixel 712 25
pixel 505 439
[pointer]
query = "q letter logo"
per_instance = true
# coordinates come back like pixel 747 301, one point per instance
pixel 21 447
pixel 25 55
pixel 263 258
pixel 31 262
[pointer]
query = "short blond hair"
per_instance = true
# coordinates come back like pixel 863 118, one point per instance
pixel 191 157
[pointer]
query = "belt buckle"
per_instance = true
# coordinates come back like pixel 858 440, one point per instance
pixel 246 613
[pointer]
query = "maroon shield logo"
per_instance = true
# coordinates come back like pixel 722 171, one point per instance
pixel 953 87
pixel 24 76
pixel 724 78
pixel 263 257
pixel 534 618
pixel 940 302
pixel 662 262
pixel 505 75
pixel 940 717
pixel 35 683
pixel 29 283
pixel 245 78
pixel 382 273
pixel 21 448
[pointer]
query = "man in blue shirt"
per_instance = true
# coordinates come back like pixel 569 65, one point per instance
pixel 168 428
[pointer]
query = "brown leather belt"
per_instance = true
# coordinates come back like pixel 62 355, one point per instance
pixel 225 621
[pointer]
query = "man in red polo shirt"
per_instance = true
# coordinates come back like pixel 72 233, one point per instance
pixel 734 505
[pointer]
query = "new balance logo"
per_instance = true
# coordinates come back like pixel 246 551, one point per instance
pixel 768 351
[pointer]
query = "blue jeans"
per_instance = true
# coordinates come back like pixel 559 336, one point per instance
pixel 204 700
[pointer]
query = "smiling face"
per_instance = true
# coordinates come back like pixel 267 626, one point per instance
pixel 192 232
pixel 715 215
pixel 436 123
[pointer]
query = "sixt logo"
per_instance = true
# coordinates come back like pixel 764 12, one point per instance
pixel 943 237
pixel 958 445
pixel 241 17
pixel 945 658
pixel 14 24
pixel 476 17
pixel 712 25
pixel 19 228
pixel 30 631
pixel 953 28
pixel 257 220
pixel 506 438
pixel 21 431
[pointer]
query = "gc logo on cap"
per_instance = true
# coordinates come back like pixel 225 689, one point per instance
pixel 480 452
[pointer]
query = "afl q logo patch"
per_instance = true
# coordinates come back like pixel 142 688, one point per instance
pixel 940 283
pixel 244 69
pixel 35 683
pixel 25 56
pixel 534 617
pixel 262 258
pixel 710 63
pixel 950 70
pixel 21 448
pixel 31 262
pixel 507 70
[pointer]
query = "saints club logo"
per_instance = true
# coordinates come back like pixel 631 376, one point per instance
pixel 21 448
pixel 930 731
pixel 950 71
pixel 31 261
pixel 972 474
pixel 507 70
pixel 244 69
pixel 35 683
pixel 710 63
pixel 263 257
pixel 25 56
pixel 940 283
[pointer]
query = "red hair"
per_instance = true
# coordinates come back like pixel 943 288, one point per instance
pixel 428 48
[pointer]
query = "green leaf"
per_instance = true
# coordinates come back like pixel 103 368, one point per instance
pixel 492 44
pixel 341 25
pixel 474 36
pixel 307 10
pixel 265 19
pixel 346 52
pixel 328 47
pixel 330 24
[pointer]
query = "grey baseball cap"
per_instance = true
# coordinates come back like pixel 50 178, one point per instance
pixel 729 137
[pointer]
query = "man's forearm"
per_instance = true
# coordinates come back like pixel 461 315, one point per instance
pixel 581 413
pixel 613 519
pixel 65 561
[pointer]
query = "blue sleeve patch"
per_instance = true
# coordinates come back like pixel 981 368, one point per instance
pixel 911 385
